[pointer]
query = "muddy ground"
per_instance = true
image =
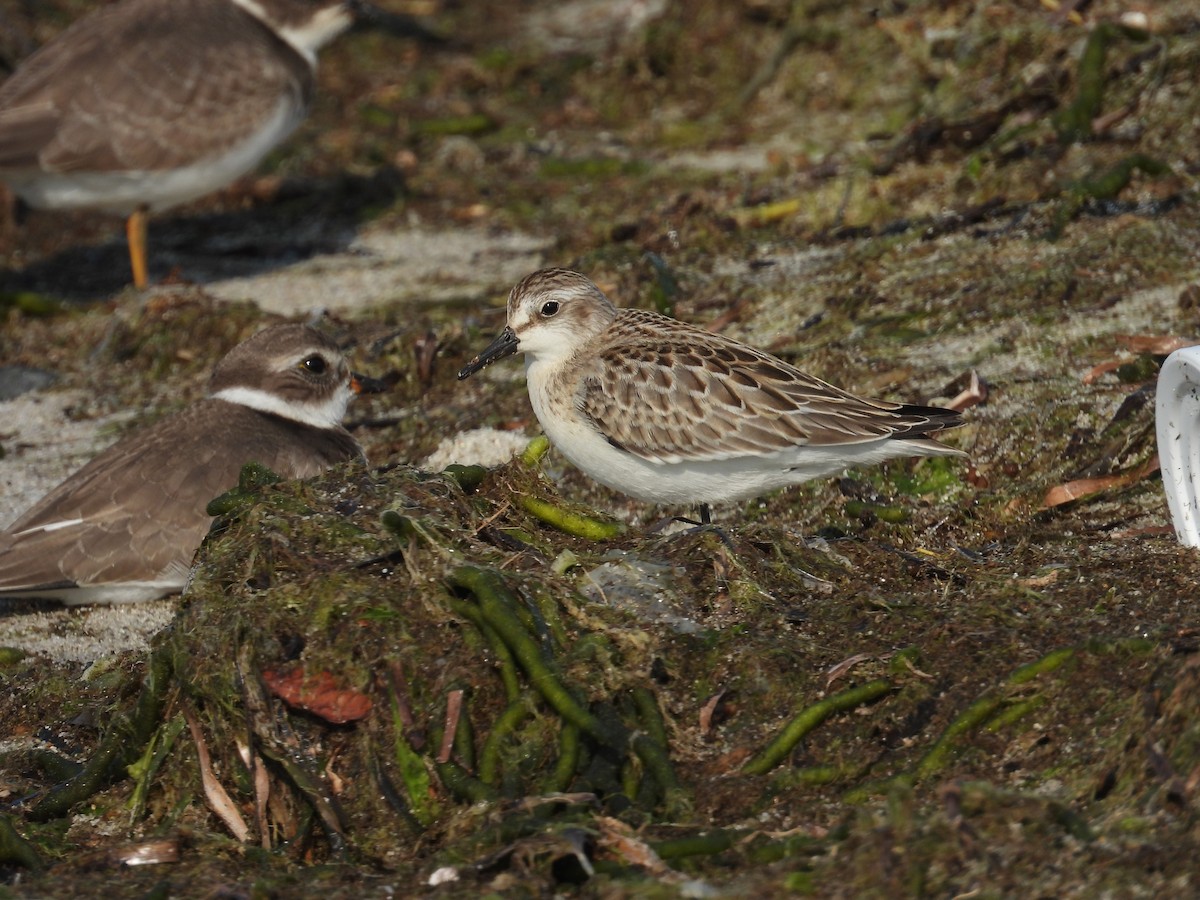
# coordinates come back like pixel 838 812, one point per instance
pixel 927 679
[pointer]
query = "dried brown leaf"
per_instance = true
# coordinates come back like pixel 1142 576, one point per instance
pixel 318 693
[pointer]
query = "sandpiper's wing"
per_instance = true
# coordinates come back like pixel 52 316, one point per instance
pixel 95 98
pixel 675 393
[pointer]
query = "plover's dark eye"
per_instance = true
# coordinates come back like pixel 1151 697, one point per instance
pixel 315 364
pixel 549 308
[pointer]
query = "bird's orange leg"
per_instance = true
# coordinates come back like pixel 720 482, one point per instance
pixel 135 233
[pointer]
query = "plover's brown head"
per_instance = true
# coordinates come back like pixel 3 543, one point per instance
pixel 292 371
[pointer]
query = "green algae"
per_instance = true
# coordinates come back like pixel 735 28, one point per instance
pixel 146 767
pixel 476 124
pixel 1074 122
pixel 1104 185
pixel 497 606
pixel 11 657
pixel 571 522
pixel 809 718
pixel 1013 798
pixel 30 303
pixel 121 746
pixel 15 850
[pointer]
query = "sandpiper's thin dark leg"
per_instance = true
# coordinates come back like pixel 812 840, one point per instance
pixel 705 514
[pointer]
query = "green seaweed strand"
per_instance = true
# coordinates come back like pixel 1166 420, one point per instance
pixel 650 715
pixel 464 786
pixel 151 761
pixel 1053 660
pixel 14 849
pixel 700 845
pixel 489 758
pixel 412 768
pixel 970 719
pixel 497 604
pixel 1015 713
pixel 121 746
pixel 985 708
pixel 391 795
pixel 651 748
pixel 468 478
pixel 534 451
pixel 1075 122
pixel 808 719
pixel 577 524
pixel 508 665
pixel 568 759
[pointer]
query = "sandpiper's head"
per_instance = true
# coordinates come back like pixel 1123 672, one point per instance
pixel 552 314
pixel 291 371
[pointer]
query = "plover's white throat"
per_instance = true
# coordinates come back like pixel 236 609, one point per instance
pixel 125 526
pixel 669 413
pixel 146 104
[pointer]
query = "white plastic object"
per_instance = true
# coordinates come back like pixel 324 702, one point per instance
pixel 1177 420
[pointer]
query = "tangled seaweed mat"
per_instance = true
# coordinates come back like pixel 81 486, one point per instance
pixel 461 704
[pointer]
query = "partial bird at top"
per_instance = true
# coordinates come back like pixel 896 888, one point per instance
pixel 146 104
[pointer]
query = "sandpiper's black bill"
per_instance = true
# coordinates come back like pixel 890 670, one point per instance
pixel 504 345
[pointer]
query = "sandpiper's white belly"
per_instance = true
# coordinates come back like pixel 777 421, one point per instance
pixel 124 192
pixel 699 481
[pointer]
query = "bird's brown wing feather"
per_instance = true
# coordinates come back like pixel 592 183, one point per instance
pixel 144 508
pixel 693 395
pixel 95 101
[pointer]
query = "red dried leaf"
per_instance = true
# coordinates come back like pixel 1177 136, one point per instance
pixel 1085 487
pixel 1081 487
pixel 1103 369
pixel 708 711
pixel 319 694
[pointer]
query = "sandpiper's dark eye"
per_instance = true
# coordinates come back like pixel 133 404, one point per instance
pixel 549 308
pixel 315 364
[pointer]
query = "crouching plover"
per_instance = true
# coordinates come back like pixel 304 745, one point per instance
pixel 146 104
pixel 125 526
pixel 666 412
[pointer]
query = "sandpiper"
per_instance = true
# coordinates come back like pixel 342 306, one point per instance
pixel 669 413
pixel 125 526
pixel 146 104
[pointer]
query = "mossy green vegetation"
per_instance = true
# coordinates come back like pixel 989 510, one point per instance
pixel 912 680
